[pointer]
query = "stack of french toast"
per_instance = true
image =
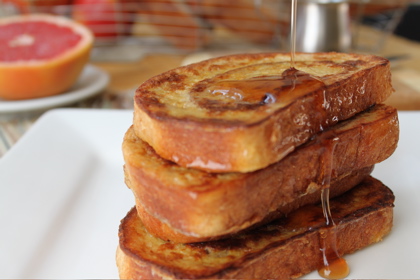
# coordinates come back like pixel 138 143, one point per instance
pixel 228 159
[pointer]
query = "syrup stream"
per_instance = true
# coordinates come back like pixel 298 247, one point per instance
pixel 334 266
pixel 293 33
pixel 329 146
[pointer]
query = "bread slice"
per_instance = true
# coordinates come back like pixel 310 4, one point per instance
pixel 286 248
pixel 163 229
pixel 189 205
pixel 189 116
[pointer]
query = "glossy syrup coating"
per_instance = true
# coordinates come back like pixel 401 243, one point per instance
pixel 184 115
pixel 283 249
pixel 188 205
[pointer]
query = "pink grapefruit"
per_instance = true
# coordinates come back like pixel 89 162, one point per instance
pixel 41 55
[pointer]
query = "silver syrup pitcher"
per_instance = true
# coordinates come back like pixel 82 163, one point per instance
pixel 323 25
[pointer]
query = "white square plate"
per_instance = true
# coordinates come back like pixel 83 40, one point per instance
pixel 62 196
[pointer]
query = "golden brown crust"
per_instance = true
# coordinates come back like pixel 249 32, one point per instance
pixel 283 249
pixel 177 114
pixel 163 230
pixel 197 205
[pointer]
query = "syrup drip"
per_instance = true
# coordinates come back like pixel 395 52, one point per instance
pixel 263 90
pixel 334 266
pixel 293 33
pixel 336 269
pixel 246 94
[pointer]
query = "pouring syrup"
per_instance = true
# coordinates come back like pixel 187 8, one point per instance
pixel 333 265
pixel 293 14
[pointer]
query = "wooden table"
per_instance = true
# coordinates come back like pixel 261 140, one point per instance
pixel 405 73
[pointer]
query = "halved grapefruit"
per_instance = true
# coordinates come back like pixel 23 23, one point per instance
pixel 41 55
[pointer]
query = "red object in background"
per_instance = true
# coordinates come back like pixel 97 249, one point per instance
pixel 38 6
pixel 98 15
pixel 103 17
pixel 108 19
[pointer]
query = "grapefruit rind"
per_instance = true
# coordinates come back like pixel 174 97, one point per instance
pixel 28 79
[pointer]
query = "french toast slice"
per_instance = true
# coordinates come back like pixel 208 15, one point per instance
pixel 245 112
pixel 189 205
pixel 286 248
pixel 162 229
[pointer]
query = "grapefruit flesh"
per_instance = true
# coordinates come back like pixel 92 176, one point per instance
pixel 41 55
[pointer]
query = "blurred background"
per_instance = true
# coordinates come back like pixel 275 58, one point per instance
pixel 132 28
pixel 137 39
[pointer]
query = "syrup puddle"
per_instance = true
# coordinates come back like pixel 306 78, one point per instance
pixel 284 88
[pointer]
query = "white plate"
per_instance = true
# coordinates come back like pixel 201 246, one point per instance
pixel 62 195
pixel 91 81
